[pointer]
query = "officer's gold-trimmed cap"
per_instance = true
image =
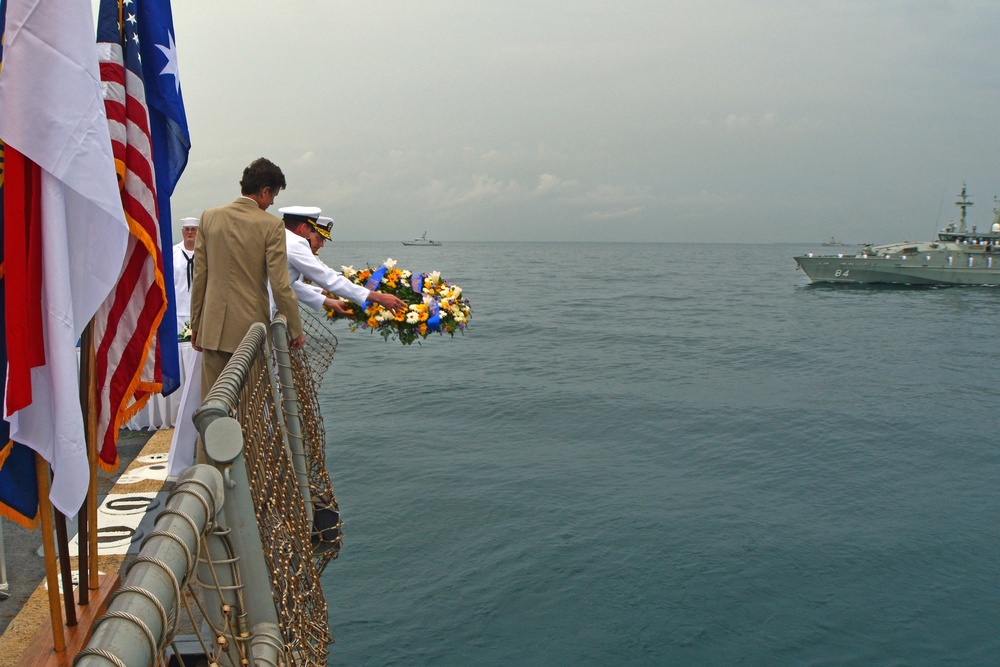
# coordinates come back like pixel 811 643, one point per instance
pixel 300 213
pixel 324 226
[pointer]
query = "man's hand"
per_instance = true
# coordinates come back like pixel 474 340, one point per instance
pixel 388 301
pixel 194 338
pixel 337 306
pixel 298 343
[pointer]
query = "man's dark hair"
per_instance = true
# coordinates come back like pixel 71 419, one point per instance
pixel 260 174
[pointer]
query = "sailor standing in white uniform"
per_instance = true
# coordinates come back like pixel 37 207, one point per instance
pixel 184 270
pixel 305 233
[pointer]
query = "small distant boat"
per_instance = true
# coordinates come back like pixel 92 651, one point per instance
pixel 422 240
pixel 833 242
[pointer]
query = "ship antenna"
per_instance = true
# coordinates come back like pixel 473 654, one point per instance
pixel 963 204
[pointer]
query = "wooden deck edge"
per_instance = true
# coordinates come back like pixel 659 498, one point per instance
pixel 27 641
pixel 39 652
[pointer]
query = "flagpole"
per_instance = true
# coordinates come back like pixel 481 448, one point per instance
pixel 48 545
pixel 82 543
pixel 83 516
pixel 88 401
pixel 65 569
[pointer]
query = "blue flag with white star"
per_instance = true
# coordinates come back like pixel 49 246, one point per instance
pixel 171 143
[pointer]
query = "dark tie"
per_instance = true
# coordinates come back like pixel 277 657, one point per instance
pixel 190 270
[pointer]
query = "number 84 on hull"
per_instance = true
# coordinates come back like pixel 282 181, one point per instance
pixel 932 267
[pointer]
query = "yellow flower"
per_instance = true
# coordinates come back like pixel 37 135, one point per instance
pixel 423 329
pixel 372 322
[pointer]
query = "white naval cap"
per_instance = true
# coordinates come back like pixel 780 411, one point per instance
pixel 324 226
pixel 189 222
pixel 305 213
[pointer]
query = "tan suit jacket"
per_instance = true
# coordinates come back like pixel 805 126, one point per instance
pixel 239 249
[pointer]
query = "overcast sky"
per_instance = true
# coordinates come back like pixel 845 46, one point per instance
pixel 632 120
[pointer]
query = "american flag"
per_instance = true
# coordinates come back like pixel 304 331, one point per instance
pixel 128 367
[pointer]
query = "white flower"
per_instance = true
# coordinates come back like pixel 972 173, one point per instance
pixel 406 275
pixel 412 317
pixel 434 277
pixel 389 263
pixel 348 271
pixel 456 292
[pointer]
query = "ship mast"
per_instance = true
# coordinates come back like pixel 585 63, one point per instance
pixel 963 204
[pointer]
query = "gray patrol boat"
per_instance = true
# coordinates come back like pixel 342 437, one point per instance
pixel 959 256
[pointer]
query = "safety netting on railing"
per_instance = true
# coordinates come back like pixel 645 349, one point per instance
pixel 309 366
pixel 281 519
pixel 227 611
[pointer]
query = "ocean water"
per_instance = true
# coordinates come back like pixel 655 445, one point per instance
pixel 667 454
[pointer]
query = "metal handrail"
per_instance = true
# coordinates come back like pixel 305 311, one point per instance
pixel 224 395
pixel 136 628
pixel 290 408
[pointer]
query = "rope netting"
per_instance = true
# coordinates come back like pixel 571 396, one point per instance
pixel 308 368
pixel 212 598
pixel 281 519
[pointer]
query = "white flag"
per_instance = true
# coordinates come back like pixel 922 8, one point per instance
pixel 52 111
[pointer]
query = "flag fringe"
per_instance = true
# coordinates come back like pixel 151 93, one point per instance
pixel 8 512
pixel 109 467
pixel 28 523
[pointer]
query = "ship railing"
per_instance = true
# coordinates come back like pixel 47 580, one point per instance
pixel 245 517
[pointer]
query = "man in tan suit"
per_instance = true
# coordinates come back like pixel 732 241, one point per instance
pixel 238 251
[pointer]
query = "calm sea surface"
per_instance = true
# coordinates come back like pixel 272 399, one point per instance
pixel 656 454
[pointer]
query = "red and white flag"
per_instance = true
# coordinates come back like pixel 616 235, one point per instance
pixel 52 113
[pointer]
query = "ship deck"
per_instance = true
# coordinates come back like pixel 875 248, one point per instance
pixel 25 628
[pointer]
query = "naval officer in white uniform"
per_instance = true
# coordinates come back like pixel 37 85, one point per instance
pixel 305 233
